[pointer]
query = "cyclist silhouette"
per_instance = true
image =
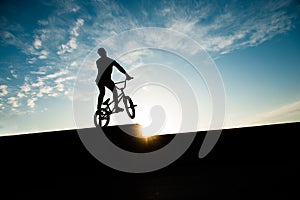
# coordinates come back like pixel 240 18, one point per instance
pixel 105 67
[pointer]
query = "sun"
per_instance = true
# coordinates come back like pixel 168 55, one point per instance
pixel 158 111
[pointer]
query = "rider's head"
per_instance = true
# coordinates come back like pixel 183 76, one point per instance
pixel 102 52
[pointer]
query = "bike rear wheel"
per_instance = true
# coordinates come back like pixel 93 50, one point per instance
pixel 129 106
pixel 101 118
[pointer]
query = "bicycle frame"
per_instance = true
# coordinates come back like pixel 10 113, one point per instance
pixel 120 97
pixel 102 118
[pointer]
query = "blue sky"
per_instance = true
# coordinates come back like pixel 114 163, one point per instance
pixel 255 46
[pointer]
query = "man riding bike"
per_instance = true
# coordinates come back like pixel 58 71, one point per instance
pixel 105 67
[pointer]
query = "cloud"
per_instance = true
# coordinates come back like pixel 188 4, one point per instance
pixel 235 26
pixel 38 84
pixel 38 73
pixel 25 88
pixel 31 91
pixel 219 27
pixel 3 90
pixel 42 84
pixel 43 70
pixel 283 114
pixel 53 95
pixel 60 80
pixel 135 58
pixel 66 7
pixel 53 84
pixel 31 60
pixel 43 22
pixel 37 43
pixel 48 90
pixel 13 101
pixel 74 30
pixel 31 102
pixel 68 47
pixel 72 43
pixel 20 95
pixel 10 39
pixel 73 64
pixel 21 41
pixel 43 54
pixel 13 72
pixel 57 74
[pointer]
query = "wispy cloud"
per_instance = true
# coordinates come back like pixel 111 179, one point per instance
pixel 37 43
pixel 3 90
pixel 11 39
pixel 56 74
pixel 25 88
pixel 235 26
pixel 220 27
pixel 74 30
pixel 35 88
pixel 38 72
pixel 31 102
pixel 13 101
pixel 72 43
pixel 284 114
pixel 13 72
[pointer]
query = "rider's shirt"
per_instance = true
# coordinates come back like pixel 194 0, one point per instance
pixel 105 67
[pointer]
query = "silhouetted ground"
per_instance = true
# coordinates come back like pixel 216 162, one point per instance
pixel 135 144
pixel 246 163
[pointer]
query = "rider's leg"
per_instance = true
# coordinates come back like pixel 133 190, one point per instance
pixel 115 96
pixel 111 86
pixel 101 95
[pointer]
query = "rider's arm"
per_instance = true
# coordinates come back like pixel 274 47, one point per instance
pixel 121 69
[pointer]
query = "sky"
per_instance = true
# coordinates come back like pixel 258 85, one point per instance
pixel 47 47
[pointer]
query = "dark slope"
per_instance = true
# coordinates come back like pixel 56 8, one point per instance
pixel 246 163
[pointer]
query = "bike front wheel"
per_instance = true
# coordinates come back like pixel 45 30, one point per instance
pixel 101 118
pixel 129 106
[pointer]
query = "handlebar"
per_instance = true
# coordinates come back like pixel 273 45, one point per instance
pixel 123 82
pixel 120 82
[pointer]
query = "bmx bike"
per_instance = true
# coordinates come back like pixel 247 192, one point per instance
pixel 102 116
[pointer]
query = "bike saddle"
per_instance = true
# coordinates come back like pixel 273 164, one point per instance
pixel 106 102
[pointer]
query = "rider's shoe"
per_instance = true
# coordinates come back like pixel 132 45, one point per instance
pixel 118 109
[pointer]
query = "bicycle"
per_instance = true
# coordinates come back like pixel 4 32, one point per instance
pixel 102 118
